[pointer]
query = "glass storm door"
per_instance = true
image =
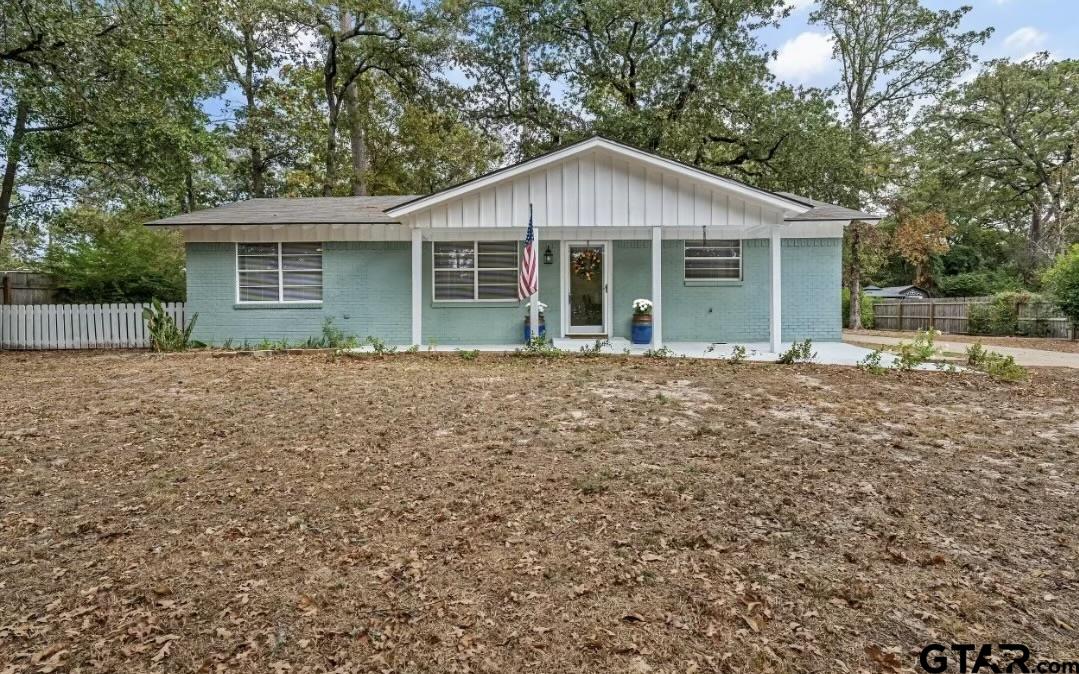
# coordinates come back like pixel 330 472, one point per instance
pixel 587 288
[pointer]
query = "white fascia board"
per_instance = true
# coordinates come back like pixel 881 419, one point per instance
pixel 745 191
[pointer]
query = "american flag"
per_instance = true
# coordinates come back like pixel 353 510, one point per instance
pixel 528 280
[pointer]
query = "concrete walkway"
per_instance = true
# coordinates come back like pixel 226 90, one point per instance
pixel 1023 356
pixel 827 353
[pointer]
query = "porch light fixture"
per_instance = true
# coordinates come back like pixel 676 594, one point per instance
pixel 548 256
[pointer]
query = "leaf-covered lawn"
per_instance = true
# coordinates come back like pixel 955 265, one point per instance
pixel 422 513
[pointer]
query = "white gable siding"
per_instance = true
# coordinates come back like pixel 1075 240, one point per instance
pixel 597 189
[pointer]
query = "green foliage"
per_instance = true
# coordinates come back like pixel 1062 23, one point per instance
pixel 334 337
pixel 977 283
pixel 872 362
pixel 995 364
pixel 103 257
pixel 165 334
pixel 867 311
pixel 468 354
pixel 1004 367
pixel 738 354
pixel 539 347
pixel 662 353
pixel 379 347
pixel 920 350
pixel 594 349
pixel 1062 283
pixel 799 352
pixel 1001 315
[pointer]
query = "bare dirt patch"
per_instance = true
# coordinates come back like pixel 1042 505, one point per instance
pixel 300 513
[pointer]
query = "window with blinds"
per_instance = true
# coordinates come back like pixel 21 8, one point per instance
pixel 475 271
pixel 278 272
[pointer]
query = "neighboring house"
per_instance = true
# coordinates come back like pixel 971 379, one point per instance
pixel 721 260
pixel 896 292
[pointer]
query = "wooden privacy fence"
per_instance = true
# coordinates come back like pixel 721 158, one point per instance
pixel 952 314
pixel 78 326
pixel 26 287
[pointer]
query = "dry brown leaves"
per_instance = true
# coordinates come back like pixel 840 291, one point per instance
pixel 300 514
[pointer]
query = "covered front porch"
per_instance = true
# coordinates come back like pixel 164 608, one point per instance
pixel 627 263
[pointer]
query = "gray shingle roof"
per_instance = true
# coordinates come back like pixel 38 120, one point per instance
pixel 371 210
pixel 824 211
pixel 304 211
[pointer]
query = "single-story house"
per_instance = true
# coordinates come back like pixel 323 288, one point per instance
pixel 721 260
pixel 896 292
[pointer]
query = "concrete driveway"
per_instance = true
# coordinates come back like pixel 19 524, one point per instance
pixel 1023 356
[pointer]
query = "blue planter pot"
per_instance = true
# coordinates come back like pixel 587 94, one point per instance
pixel 528 333
pixel 642 333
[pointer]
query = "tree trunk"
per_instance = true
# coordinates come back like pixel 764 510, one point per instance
pixel 331 149
pixel 855 279
pixel 258 178
pixel 330 82
pixel 357 137
pixel 258 168
pixel 1035 233
pixel 14 150
pixel 189 193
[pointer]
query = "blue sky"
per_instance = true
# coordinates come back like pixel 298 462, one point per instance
pixel 1022 27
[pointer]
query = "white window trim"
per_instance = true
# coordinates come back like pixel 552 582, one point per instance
pixel 475 272
pixel 686 279
pixel 280 277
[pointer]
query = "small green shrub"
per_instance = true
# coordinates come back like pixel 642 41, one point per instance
pixel 165 334
pixel 334 337
pixel 995 364
pixel 662 352
pixel 871 362
pixel 976 354
pixel 468 354
pixel 738 355
pixel 539 347
pixel 594 349
pixel 379 347
pixel 1004 367
pixel 922 349
pixel 799 352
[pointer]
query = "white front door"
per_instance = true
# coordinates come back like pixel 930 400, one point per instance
pixel 587 279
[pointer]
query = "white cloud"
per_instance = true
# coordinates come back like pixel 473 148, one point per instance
pixel 803 57
pixel 799 5
pixel 1027 38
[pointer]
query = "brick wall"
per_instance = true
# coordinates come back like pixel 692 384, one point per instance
pixel 366 291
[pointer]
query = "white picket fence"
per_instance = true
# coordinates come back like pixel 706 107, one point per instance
pixel 78 326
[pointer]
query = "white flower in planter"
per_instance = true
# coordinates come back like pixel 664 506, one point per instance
pixel 528 308
pixel 642 306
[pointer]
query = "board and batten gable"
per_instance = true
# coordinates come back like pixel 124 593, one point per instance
pixel 597 188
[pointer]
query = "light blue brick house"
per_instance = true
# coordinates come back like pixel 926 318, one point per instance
pixel 722 261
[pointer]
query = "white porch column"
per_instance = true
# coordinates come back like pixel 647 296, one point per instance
pixel 657 287
pixel 533 300
pixel 417 287
pixel 775 331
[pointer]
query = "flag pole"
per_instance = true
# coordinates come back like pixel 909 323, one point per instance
pixel 533 309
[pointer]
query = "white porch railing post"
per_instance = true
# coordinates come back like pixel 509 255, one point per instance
pixel 657 287
pixel 533 304
pixel 775 323
pixel 417 287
